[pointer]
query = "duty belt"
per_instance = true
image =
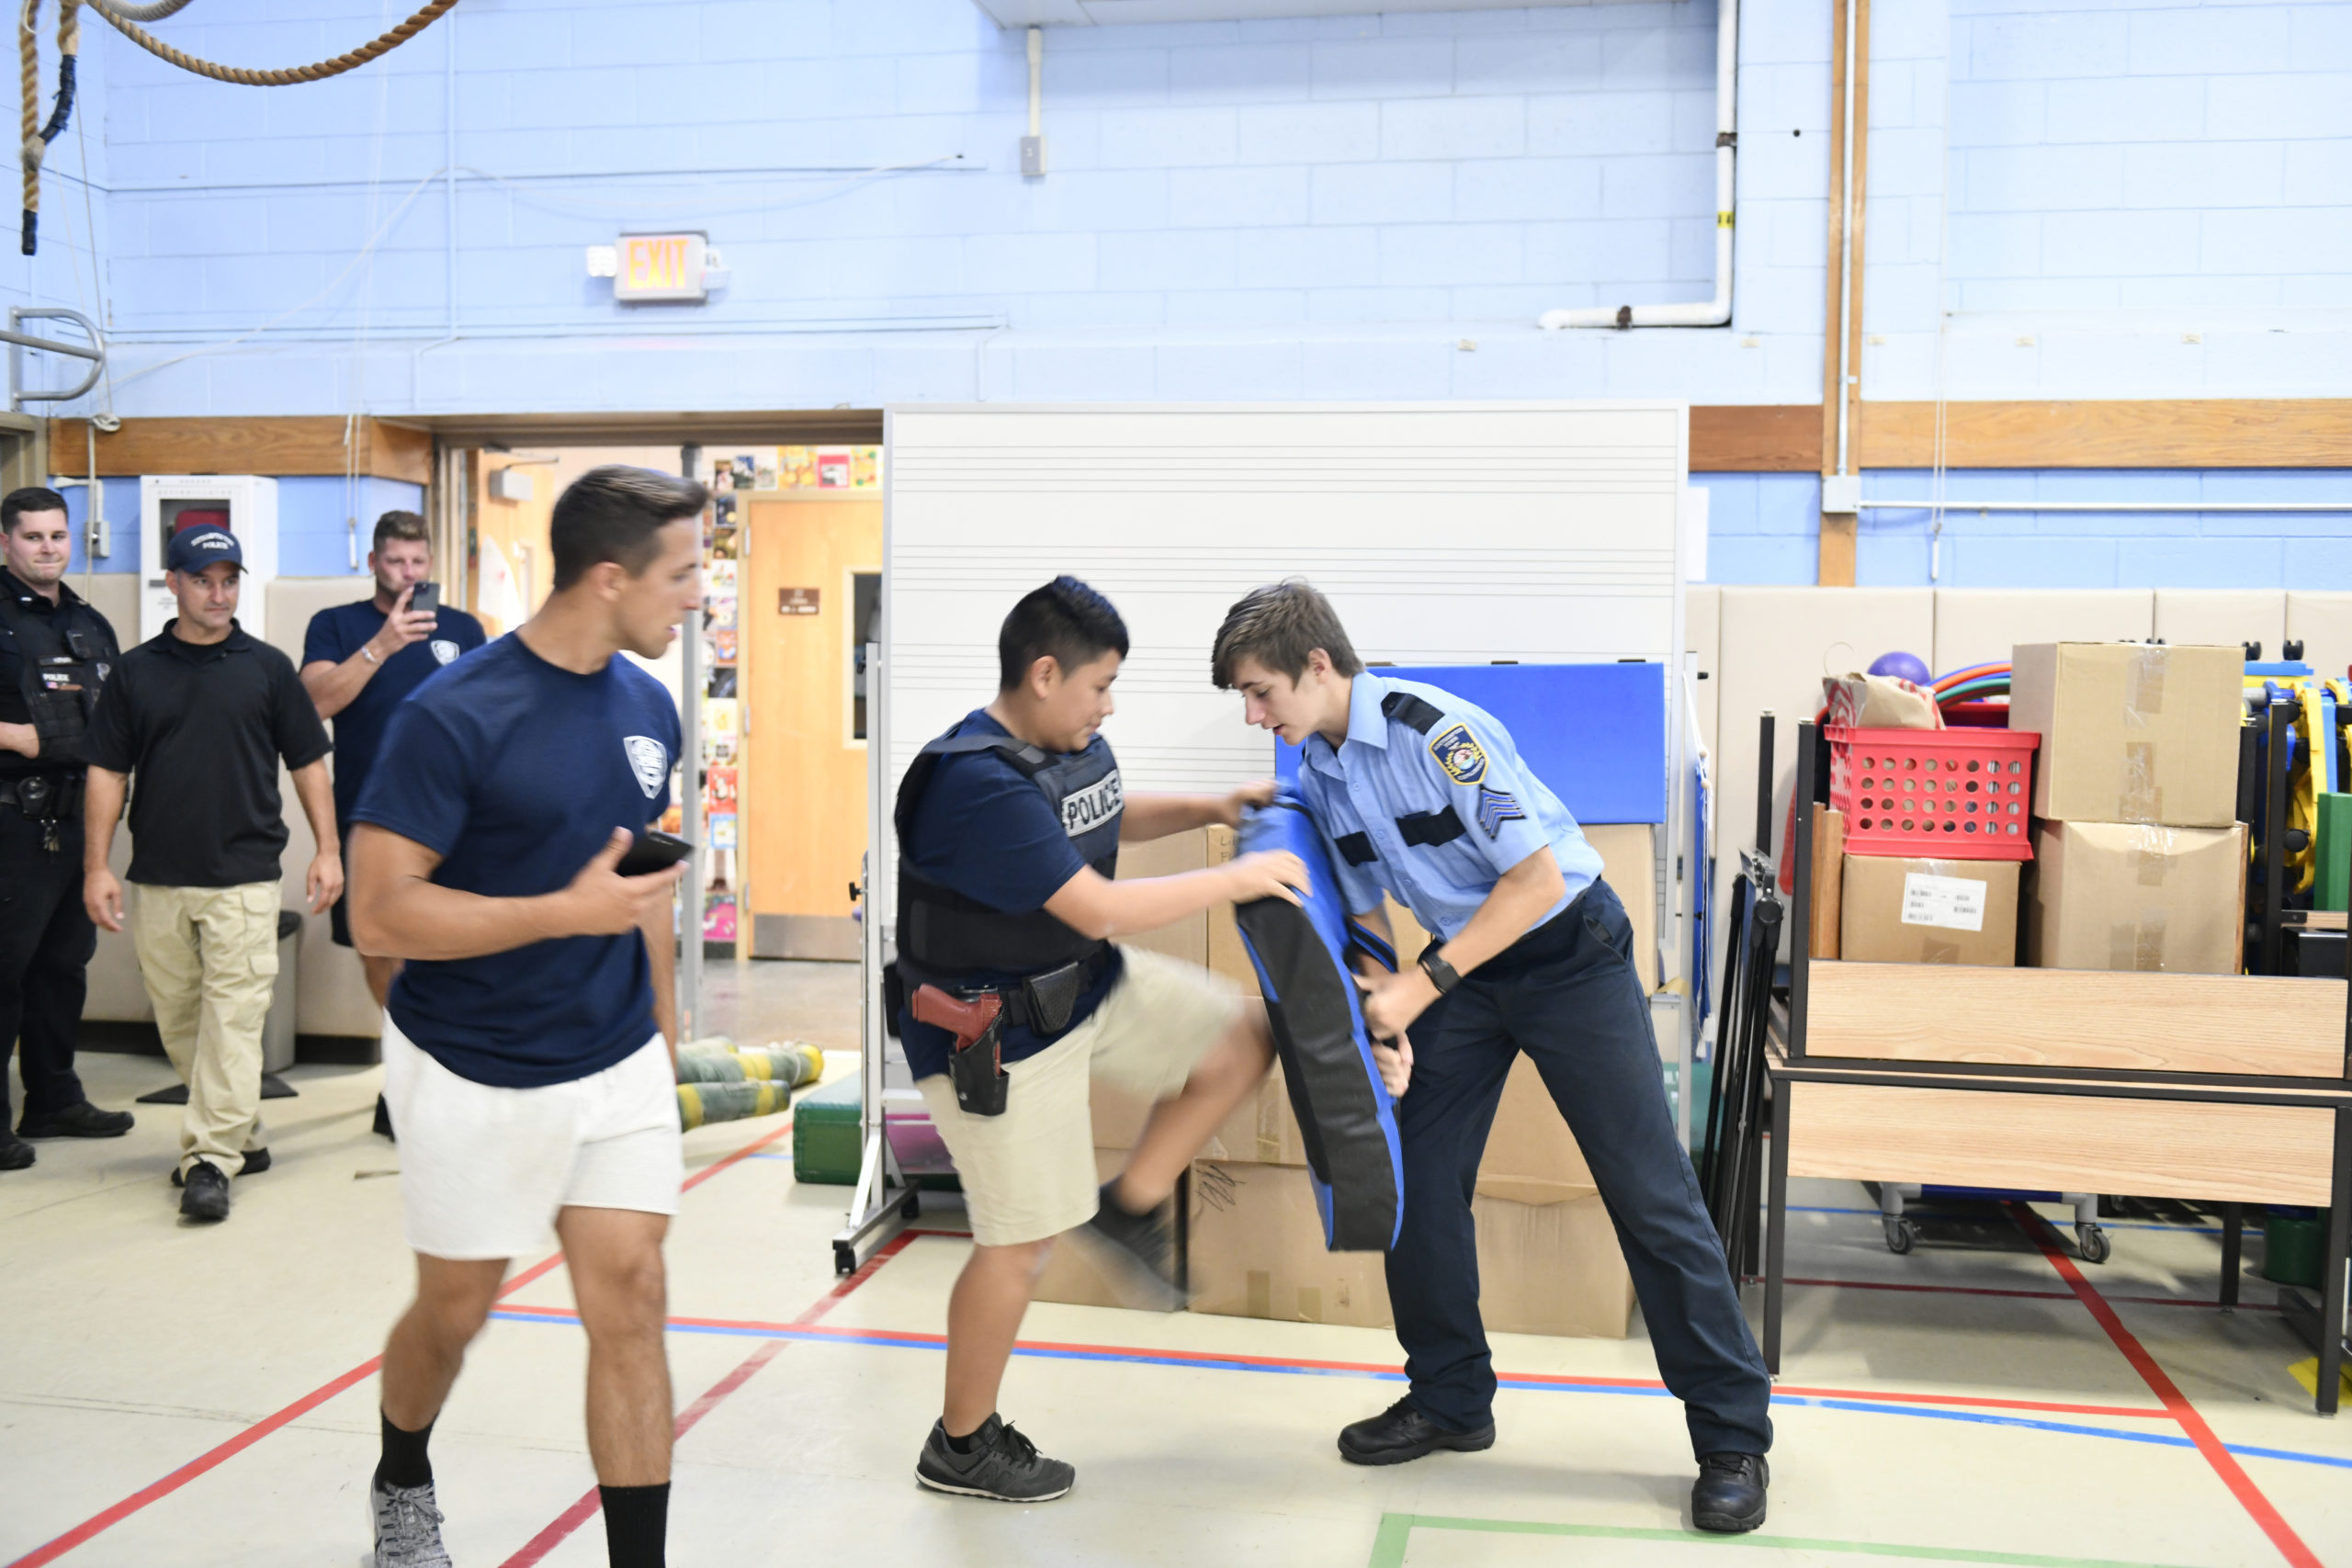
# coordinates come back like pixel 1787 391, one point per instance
pixel 1042 1002
pixel 44 797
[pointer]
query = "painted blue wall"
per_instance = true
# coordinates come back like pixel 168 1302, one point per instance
pixel 313 539
pixel 2067 199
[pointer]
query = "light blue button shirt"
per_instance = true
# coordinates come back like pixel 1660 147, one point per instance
pixel 1427 799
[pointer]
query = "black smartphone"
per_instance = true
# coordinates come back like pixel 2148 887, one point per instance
pixel 653 851
pixel 427 600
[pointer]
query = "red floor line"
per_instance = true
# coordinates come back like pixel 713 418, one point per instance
pixel 592 1501
pixel 586 1506
pixel 2225 1465
pixel 2040 1295
pixel 213 1459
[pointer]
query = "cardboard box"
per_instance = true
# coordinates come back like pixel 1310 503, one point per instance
pixel 2130 896
pixel 1930 911
pixel 1628 861
pixel 1551 1269
pixel 1532 1157
pixel 1257 1251
pixel 1119 1117
pixel 1226 957
pixel 2131 732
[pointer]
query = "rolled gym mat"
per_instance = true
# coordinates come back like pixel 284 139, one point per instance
pixel 699 1103
pixel 1345 1117
pixel 720 1060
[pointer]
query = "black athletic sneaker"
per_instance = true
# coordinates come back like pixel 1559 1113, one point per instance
pixel 1728 1498
pixel 206 1194
pixel 256 1161
pixel 15 1152
pixel 1002 1465
pixel 80 1120
pixel 1136 1251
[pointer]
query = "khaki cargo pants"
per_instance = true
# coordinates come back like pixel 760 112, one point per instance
pixel 210 957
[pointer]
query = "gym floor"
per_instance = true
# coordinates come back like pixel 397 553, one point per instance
pixel 179 1396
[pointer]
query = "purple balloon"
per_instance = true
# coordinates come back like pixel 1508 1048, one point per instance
pixel 1908 666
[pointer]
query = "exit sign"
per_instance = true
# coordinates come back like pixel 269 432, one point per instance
pixel 655 268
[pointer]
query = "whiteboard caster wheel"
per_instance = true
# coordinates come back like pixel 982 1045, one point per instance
pixel 2094 1243
pixel 913 1207
pixel 1901 1234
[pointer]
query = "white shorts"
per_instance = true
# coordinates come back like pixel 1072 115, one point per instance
pixel 484 1170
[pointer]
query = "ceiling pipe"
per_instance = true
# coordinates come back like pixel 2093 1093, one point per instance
pixel 1714 311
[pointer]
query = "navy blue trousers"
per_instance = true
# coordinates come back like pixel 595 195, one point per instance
pixel 1567 995
pixel 46 942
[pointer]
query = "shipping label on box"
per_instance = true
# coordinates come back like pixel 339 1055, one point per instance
pixel 1930 911
pixel 2131 732
pixel 1952 903
pixel 2124 896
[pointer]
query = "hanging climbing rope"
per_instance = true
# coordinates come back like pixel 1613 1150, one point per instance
pixel 37 136
pixel 126 20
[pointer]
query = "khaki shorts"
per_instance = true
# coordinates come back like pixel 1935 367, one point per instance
pixel 1029 1174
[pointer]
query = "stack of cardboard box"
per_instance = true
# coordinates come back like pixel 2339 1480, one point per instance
pixel 2139 858
pixel 1548 1260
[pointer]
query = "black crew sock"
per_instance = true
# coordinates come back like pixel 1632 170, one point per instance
pixel 637 1521
pixel 970 1443
pixel 404 1463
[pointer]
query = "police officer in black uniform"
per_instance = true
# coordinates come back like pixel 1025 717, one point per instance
pixel 55 652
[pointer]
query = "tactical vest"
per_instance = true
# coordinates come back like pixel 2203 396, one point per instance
pixel 943 935
pixel 64 660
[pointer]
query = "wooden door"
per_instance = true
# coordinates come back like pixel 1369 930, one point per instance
pixel 804 807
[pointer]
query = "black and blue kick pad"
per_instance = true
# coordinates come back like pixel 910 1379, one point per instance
pixel 1345 1117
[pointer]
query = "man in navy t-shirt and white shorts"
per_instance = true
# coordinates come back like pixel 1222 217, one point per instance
pixel 527 1057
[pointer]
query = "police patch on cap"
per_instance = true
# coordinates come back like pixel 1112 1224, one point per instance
pixel 1459 754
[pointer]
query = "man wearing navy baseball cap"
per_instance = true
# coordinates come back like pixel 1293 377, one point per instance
pixel 202 713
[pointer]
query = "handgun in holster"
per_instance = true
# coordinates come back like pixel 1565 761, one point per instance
pixel 976 1068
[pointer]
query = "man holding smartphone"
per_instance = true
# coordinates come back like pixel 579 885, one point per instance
pixel 526 1050
pixel 360 661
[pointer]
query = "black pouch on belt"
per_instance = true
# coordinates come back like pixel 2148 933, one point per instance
pixel 1051 997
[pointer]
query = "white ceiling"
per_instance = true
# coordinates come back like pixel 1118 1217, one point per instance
pixel 1108 12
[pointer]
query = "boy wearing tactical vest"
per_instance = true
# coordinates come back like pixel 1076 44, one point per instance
pixel 1015 996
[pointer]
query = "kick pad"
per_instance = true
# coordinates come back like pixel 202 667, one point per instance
pixel 1345 1118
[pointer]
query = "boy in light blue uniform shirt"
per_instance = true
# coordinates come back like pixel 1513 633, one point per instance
pixel 1423 795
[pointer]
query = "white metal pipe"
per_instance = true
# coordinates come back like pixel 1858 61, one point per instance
pixel 2248 506
pixel 1714 311
pixel 1854 133
pixel 1036 81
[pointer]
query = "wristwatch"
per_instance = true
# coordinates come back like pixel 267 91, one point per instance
pixel 1442 975
pixel 370 653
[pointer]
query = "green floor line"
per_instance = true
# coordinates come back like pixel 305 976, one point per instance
pixel 1396 1529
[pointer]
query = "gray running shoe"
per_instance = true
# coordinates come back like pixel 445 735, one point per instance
pixel 408 1528
pixel 1002 1465
pixel 1136 1252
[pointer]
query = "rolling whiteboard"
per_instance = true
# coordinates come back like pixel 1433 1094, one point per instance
pixel 1443 533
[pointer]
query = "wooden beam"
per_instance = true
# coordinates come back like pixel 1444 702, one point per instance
pixel 1748 438
pixel 276 445
pixel 2185 432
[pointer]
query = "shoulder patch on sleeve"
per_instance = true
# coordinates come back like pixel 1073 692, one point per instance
pixel 1409 710
pixel 1459 754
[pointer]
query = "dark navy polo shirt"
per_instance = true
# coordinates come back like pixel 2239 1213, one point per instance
pixel 336 635
pixel 516 772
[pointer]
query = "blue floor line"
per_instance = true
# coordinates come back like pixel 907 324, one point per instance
pixel 1192 1363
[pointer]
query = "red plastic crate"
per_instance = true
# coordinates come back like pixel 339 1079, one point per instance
pixel 1948 794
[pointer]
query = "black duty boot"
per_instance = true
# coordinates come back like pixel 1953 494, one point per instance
pixel 206 1194
pixel 82 1121
pixel 256 1161
pixel 15 1152
pixel 1400 1433
pixel 1729 1496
